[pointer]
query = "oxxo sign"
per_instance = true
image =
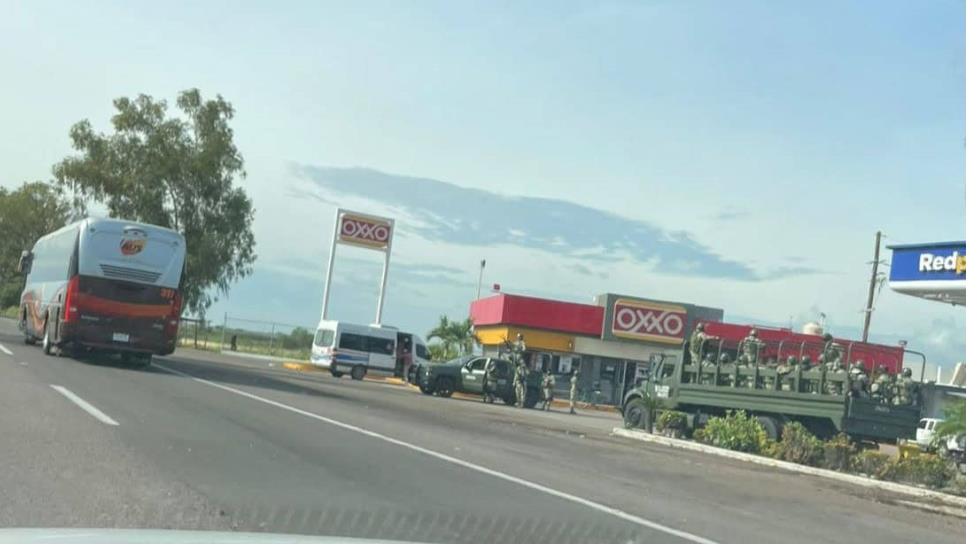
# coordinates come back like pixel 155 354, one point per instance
pixel 365 231
pixel 649 321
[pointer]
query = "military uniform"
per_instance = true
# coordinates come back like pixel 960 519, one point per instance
pixel 783 370
pixel 750 348
pixel 860 381
pixel 834 387
pixel 520 384
pixel 548 384
pixel 489 381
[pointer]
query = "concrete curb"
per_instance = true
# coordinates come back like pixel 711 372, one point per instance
pixel 793 467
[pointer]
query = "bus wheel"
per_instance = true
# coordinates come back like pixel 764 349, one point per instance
pixel 47 345
pixel 358 372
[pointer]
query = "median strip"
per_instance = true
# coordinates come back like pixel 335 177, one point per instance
pixel 793 467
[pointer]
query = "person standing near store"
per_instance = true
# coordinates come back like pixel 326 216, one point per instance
pixel 574 378
pixel 548 384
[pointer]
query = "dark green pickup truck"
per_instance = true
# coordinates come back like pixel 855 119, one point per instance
pixel 465 375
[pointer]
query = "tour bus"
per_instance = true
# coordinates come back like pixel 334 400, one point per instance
pixel 344 347
pixel 104 284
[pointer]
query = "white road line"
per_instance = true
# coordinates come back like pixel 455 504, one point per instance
pixel 442 456
pixel 86 406
pixel 4 349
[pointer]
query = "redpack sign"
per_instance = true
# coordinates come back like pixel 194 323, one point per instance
pixel 365 230
pixel 643 320
pixel 649 321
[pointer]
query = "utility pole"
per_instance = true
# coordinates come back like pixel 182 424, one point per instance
pixel 872 281
pixel 479 284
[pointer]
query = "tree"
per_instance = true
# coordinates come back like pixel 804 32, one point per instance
pixel 176 172
pixel 954 424
pixel 454 336
pixel 26 214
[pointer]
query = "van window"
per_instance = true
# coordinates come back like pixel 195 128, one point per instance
pixel 422 352
pixel 371 344
pixel 922 424
pixel 352 341
pixel 324 338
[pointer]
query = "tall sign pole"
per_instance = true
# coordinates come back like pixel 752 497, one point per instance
pixel 385 274
pixel 328 270
pixel 872 282
pixel 361 230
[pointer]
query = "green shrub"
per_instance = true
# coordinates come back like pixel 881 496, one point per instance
pixel 838 453
pixel 871 463
pixel 736 431
pixel 929 470
pixel 10 312
pixel 799 446
pixel 671 422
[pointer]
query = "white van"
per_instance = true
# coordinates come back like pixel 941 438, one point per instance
pixel 346 347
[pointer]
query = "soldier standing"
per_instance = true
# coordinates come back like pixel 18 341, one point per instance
pixel 520 383
pixel 750 348
pixel 697 342
pixel 488 381
pixel 573 389
pixel 548 384
pixel 860 381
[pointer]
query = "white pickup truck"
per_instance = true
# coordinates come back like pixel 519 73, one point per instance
pixel 953 447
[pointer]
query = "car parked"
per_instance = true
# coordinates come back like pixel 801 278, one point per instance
pixel 465 375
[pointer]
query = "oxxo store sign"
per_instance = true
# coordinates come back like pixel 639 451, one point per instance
pixel 643 320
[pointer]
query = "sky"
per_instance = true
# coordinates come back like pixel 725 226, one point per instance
pixel 732 154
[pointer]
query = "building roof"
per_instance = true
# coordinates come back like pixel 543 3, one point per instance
pixel 538 313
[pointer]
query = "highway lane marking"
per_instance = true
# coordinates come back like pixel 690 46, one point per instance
pixel 86 406
pixel 456 461
pixel 4 349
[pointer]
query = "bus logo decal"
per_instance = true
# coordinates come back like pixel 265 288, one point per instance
pixel 132 246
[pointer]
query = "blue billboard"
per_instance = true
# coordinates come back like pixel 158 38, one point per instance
pixel 928 262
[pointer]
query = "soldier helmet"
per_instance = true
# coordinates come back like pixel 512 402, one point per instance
pixel 700 326
pixel 725 358
pixel 754 332
pixel 827 336
pixel 906 372
pixel 519 336
pixel 806 360
pixel 792 360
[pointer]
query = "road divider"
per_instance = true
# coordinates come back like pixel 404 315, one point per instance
pixel 631 518
pixel 793 467
pixel 86 406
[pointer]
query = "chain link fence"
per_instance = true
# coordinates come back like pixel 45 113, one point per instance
pixel 270 338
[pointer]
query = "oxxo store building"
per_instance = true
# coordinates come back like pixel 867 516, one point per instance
pixel 612 341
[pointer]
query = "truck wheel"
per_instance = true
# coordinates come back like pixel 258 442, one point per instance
pixel 635 414
pixel 425 389
pixel 358 372
pixel 773 429
pixel 533 397
pixel 444 386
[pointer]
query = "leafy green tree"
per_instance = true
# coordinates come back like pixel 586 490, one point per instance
pixel 26 214
pixel 454 336
pixel 439 352
pixel 176 172
pixel 954 424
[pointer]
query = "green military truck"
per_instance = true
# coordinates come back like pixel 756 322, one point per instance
pixel 820 400
pixel 465 375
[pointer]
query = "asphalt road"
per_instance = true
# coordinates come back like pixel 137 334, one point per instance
pixel 203 441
